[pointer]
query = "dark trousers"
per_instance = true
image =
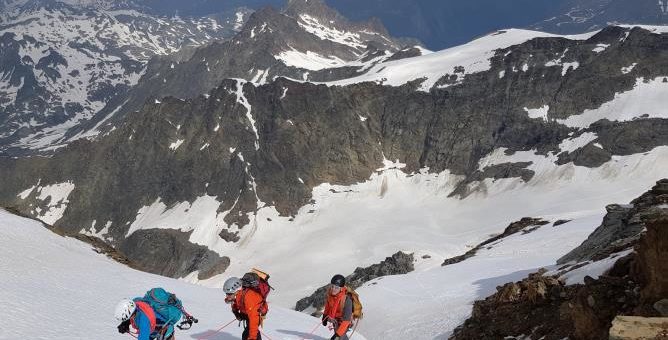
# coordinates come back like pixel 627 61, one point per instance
pixel 244 336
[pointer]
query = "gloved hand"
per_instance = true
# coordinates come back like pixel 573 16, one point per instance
pixel 124 327
pixel 335 337
pixel 324 321
pixel 238 315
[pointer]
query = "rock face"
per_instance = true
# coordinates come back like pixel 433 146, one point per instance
pixel 621 226
pixel 170 254
pixel 634 327
pixel 248 146
pixel 544 307
pixel 399 263
pixel 652 265
pixel 526 225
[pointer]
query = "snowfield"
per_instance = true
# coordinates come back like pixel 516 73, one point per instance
pixel 473 56
pixel 430 304
pixel 57 288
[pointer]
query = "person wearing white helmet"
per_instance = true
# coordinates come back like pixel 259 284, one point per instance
pixel 137 314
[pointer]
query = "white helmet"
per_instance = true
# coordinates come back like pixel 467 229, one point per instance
pixel 232 285
pixel 125 309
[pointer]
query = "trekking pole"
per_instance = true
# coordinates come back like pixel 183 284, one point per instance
pixel 217 331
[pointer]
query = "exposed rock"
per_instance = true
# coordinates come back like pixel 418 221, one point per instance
pixel 652 264
pixel 498 171
pixel 635 327
pixel 405 53
pixel 661 306
pixel 399 263
pixel 560 222
pixel 168 253
pixel 526 224
pixel 542 307
pixel 621 226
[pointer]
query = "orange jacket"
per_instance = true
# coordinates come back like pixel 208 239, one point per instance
pixel 248 302
pixel 339 309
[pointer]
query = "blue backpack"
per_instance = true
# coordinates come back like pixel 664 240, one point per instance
pixel 168 309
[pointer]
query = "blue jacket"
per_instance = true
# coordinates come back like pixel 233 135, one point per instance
pixel 143 325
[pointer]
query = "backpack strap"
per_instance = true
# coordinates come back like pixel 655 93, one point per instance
pixel 148 312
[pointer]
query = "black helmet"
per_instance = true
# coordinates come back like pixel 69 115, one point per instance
pixel 338 280
pixel 250 280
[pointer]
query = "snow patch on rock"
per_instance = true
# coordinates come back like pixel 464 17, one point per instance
pixel 647 98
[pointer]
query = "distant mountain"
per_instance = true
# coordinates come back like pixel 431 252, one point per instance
pixel 578 16
pixel 181 57
pixel 61 63
pixel 445 23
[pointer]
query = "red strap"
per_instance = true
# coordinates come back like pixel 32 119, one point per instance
pixel 148 311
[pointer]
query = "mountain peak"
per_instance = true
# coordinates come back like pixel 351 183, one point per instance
pixel 315 8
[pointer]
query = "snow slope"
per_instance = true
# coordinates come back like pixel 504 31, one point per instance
pixel 430 304
pixel 58 288
pixel 360 225
pixel 473 56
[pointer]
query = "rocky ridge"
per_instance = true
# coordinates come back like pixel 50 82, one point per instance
pixel 306 40
pixel 399 263
pixel 544 306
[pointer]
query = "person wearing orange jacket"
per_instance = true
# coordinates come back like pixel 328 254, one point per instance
pixel 338 308
pixel 247 307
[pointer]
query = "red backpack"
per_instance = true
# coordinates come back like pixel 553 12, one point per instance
pixel 258 281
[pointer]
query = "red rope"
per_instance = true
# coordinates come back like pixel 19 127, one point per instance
pixel 265 335
pixel 313 331
pixel 218 331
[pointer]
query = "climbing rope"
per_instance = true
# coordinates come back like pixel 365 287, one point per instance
pixel 217 331
pixel 312 331
pixel 264 335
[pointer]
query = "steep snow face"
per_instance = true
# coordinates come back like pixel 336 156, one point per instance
pixel 473 57
pixel 73 61
pixel 70 291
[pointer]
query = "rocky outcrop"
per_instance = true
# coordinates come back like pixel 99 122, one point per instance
pixel 526 225
pixel 170 254
pixel 652 267
pixel 544 307
pixel 498 171
pixel 635 327
pixel 621 227
pixel 399 263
